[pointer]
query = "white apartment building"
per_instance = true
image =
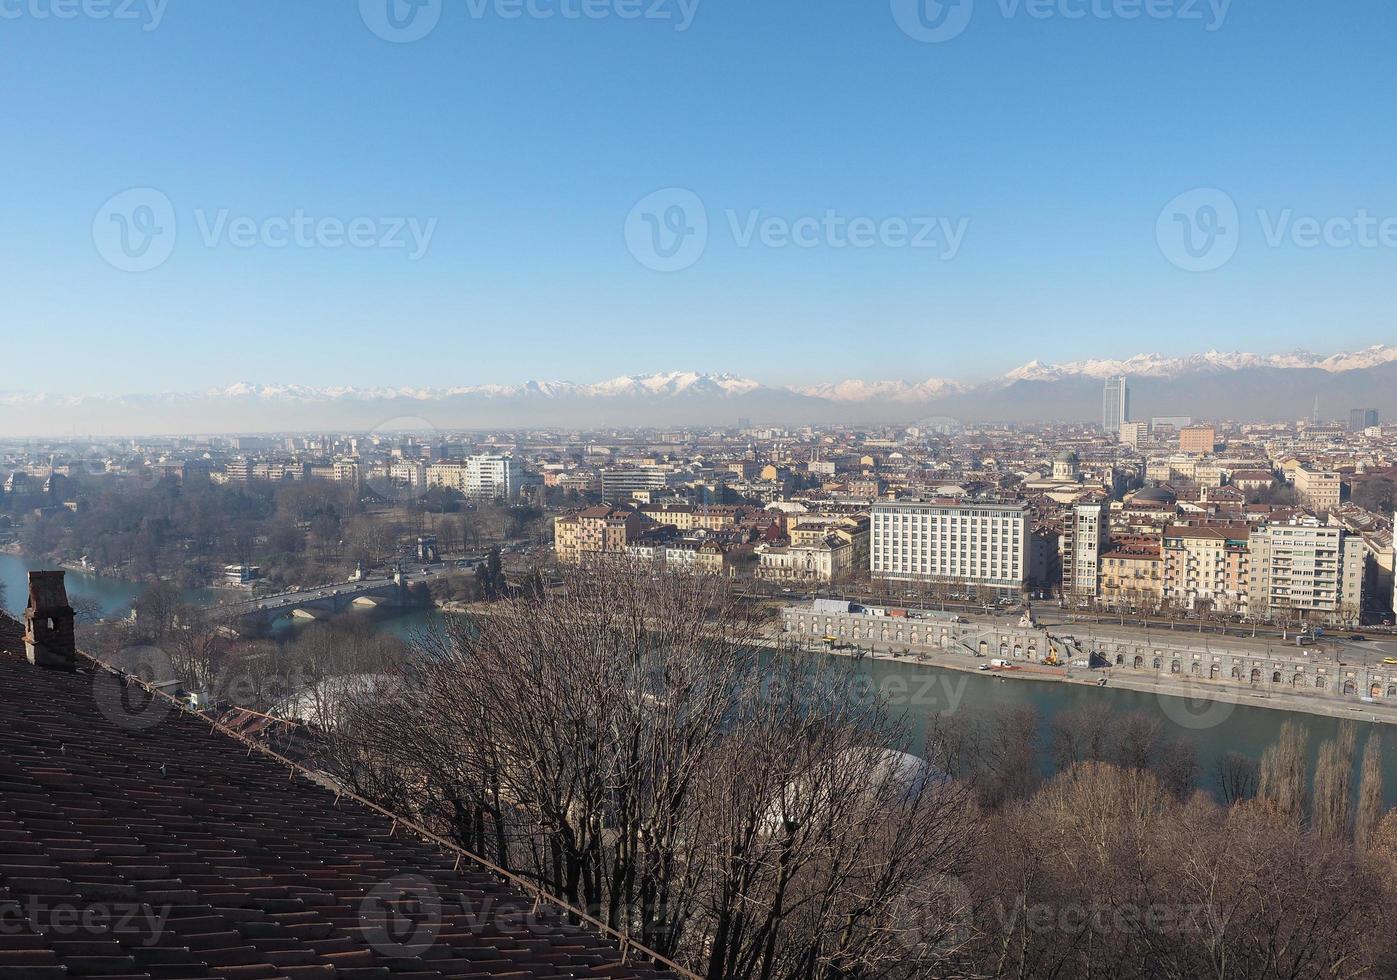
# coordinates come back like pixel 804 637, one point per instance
pixel 480 477
pixel 408 473
pixel 974 543
pixel 1307 570
pixel 1085 536
pixel 618 483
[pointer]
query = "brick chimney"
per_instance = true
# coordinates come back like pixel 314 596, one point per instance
pixel 48 623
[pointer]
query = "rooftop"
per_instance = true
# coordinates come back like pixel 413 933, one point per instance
pixel 230 862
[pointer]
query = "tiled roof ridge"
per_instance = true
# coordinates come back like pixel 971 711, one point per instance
pixel 626 943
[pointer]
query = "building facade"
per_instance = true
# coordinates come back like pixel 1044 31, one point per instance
pixel 1115 404
pixel 1306 570
pixel 975 543
pixel 1208 566
pixel 1200 439
pixel 1084 537
pixel 594 532
pixel 1319 490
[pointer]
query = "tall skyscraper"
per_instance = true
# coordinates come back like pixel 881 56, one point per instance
pixel 1115 404
pixel 1362 418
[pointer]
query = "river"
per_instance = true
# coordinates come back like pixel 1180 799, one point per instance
pixel 922 692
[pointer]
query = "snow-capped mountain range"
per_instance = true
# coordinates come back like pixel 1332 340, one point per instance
pixel 1211 384
pixel 1160 366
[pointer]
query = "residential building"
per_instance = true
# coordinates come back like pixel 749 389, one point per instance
pixel 812 530
pixel 1304 569
pixel 972 543
pixel 1318 490
pixel 618 483
pixel 689 517
pixel 600 530
pixel 1133 434
pixel 1132 576
pixel 1044 558
pixel 1201 439
pixel 1252 480
pixel 480 477
pixel 1084 537
pixel 1207 566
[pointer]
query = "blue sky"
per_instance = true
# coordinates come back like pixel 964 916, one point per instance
pixel 525 142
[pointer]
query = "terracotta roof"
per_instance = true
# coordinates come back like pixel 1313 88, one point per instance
pixel 183 852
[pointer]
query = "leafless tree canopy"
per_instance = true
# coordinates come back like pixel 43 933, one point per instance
pixel 626 746
pixel 630 747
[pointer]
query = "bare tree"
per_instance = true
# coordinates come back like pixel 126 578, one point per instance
pixel 1330 813
pixel 1283 778
pixel 1369 793
pixel 1235 777
pixel 624 744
